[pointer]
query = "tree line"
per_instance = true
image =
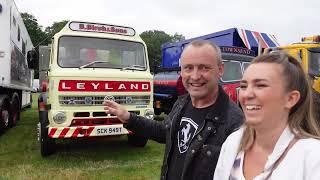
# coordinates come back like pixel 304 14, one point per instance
pixel 153 38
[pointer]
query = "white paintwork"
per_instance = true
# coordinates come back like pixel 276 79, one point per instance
pixel 9 39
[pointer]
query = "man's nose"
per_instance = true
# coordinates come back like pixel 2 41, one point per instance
pixel 196 74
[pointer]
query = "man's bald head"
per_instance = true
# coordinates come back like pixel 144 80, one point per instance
pixel 202 43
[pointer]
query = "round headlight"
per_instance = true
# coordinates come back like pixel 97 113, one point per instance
pixel 149 114
pixel 59 117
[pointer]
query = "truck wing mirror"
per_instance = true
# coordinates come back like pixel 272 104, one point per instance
pixel 32 58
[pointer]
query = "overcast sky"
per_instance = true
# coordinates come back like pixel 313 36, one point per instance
pixel 288 20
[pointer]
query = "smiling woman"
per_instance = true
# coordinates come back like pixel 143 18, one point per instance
pixel 279 125
pixel 263 96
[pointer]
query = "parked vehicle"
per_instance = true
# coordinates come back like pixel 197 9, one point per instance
pixel 238 47
pixel 16 64
pixel 308 52
pixel 87 63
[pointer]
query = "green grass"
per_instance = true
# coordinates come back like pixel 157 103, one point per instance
pixel 77 159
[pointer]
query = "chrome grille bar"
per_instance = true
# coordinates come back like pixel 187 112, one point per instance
pixel 98 100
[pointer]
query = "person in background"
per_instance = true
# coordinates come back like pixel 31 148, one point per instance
pixel 280 137
pixel 199 121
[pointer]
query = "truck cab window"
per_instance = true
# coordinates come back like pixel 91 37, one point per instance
pixel 23 48
pixel 18 33
pixel 314 63
pixel 245 66
pixel 232 71
pixel 14 21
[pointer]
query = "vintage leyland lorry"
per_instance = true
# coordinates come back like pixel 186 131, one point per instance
pixel 238 47
pixel 85 64
pixel 16 65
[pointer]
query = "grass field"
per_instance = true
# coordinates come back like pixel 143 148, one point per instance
pixel 86 159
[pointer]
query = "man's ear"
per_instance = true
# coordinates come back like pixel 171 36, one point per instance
pixel 221 70
pixel 293 99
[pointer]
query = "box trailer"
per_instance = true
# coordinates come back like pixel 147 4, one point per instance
pixel 16 64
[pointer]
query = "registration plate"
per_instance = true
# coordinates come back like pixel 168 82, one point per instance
pixel 110 131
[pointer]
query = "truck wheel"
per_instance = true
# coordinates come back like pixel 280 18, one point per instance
pixel 47 145
pixel 4 112
pixel 14 111
pixel 137 141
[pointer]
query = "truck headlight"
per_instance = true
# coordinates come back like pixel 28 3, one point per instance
pixel 59 117
pixel 149 114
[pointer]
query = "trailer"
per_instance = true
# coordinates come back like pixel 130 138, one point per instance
pixel 16 64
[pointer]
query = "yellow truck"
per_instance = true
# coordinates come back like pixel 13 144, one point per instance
pixel 86 64
pixel 308 53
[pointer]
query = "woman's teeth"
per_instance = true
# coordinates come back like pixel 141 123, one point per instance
pixel 253 107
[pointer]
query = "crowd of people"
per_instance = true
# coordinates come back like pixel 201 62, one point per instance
pixel 207 136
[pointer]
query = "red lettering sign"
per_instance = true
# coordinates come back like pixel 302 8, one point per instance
pixel 103 28
pixel 103 86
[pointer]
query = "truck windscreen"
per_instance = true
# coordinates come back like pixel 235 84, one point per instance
pixel 76 51
pixel 314 63
pixel 232 71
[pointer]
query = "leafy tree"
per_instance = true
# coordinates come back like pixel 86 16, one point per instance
pixel 177 37
pixel 34 29
pixel 55 27
pixel 39 37
pixel 154 39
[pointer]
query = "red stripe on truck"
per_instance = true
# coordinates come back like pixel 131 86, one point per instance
pixel 88 132
pixel 64 132
pixel 76 132
pixel 52 132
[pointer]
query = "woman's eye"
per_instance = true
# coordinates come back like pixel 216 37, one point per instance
pixel 243 86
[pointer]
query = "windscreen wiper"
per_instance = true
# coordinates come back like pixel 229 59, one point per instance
pixel 134 67
pixel 91 63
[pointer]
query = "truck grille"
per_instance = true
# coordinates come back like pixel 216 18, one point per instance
pixel 98 100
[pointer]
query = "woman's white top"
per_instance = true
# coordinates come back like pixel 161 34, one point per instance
pixel 302 162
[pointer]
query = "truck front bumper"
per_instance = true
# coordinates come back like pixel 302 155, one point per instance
pixel 86 131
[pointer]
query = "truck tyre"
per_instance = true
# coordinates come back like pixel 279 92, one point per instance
pixel 137 141
pixel 4 112
pixel 47 145
pixel 14 110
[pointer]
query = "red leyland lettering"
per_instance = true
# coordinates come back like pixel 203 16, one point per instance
pixel 104 86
